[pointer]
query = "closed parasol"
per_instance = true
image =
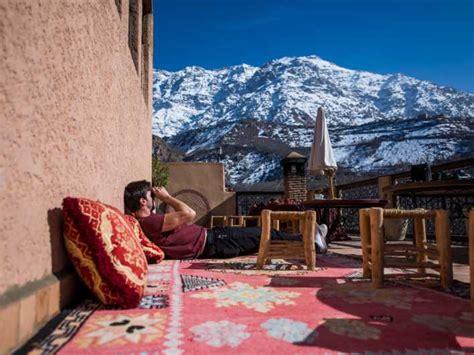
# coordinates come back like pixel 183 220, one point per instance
pixel 322 160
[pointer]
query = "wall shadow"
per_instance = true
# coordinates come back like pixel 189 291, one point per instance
pixel 387 319
pixel 358 318
pixel 294 265
pixel 71 288
pixel 59 258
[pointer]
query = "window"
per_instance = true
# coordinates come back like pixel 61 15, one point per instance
pixel 140 42
pixel 134 30
pixel 147 50
pixel 118 3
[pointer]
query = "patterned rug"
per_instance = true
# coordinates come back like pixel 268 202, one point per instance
pixel 227 306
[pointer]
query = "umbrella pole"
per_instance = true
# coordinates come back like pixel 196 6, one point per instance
pixel 330 175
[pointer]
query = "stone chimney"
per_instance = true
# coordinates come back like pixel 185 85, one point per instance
pixel 294 175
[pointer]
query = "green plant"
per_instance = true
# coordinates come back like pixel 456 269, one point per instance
pixel 159 173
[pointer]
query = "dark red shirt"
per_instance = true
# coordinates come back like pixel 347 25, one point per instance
pixel 183 242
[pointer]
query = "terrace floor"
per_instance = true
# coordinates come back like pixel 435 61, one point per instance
pixel 228 306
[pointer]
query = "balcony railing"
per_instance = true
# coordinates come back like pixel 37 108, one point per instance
pixel 246 199
pixel 455 201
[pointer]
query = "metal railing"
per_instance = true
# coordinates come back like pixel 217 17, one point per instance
pixel 456 204
pixel 246 199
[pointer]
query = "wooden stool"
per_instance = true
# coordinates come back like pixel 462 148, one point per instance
pixel 374 249
pixel 471 254
pixel 233 221
pixel 304 249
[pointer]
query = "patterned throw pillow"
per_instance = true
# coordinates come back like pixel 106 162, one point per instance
pixel 152 252
pixel 105 251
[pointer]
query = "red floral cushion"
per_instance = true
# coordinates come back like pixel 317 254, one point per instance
pixel 105 251
pixel 152 252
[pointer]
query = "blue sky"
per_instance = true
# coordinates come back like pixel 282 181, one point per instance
pixel 428 39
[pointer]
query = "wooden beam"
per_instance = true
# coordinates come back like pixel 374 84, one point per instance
pixel 471 254
pixel 265 238
pixel 376 235
pixel 420 241
pixel 364 227
pixel 443 241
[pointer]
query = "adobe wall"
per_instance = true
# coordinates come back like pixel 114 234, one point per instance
pixel 206 179
pixel 74 122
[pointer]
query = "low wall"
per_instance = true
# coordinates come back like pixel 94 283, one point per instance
pixel 202 186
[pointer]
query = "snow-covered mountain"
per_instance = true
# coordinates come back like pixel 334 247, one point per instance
pixel 249 117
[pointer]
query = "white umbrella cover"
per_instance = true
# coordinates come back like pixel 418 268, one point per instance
pixel 322 156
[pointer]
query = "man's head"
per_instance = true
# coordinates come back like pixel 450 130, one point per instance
pixel 139 196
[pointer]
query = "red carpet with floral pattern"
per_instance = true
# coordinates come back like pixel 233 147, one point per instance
pixel 226 306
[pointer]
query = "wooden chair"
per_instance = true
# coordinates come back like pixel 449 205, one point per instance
pixel 375 251
pixel 471 254
pixel 304 249
pixel 233 221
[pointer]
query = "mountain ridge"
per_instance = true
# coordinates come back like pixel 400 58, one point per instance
pixel 201 111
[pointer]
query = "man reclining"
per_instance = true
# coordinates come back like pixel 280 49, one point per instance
pixel 175 234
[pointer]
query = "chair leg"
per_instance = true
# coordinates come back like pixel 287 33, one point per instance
pixel 443 241
pixel 364 227
pixel 276 224
pixel 295 227
pixel 304 236
pixel 308 239
pixel 301 227
pixel 376 233
pixel 420 241
pixel 264 238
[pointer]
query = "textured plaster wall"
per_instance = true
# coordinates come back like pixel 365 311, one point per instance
pixel 73 122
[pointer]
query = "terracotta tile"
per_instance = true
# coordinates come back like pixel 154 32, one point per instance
pixel 54 299
pixel 27 317
pixel 42 305
pixel 9 318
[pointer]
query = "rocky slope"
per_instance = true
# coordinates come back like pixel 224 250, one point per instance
pixel 250 117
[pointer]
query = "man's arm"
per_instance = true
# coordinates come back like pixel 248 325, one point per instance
pixel 183 214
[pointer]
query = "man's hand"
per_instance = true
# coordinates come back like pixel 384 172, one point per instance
pixel 161 193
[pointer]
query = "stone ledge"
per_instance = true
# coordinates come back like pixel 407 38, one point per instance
pixel 24 310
